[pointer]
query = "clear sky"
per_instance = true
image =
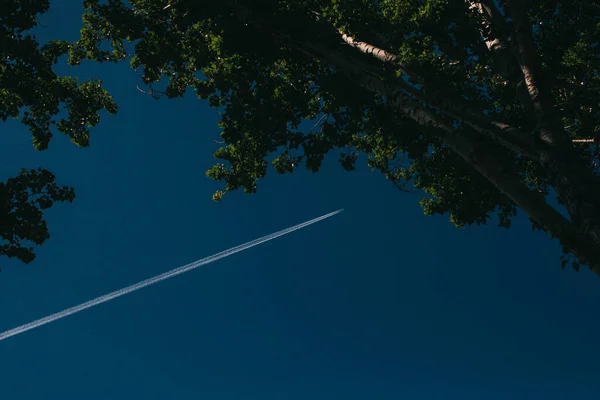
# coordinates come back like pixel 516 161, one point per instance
pixel 379 302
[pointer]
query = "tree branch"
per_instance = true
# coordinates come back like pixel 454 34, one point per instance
pixel 380 54
pixel 551 131
pixel 581 238
pixel 499 48
pixel 510 137
pixel 531 202
pixel 476 155
pixel 583 141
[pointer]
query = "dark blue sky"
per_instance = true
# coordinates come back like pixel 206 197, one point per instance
pixel 379 302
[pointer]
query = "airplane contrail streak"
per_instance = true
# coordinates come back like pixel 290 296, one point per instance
pixel 158 278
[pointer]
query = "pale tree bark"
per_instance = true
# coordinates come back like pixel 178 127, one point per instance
pixel 550 127
pixel 476 155
pixel 508 136
pixel 574 182
pixel 505 56
pixel 499 48
pixel 577 186
pixel 378 53
pixel 582 245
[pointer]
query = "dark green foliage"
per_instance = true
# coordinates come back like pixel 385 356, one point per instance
pixel 266 89
pixel 29 88
pixel 22 201
pixel 31 92
pixel 271 66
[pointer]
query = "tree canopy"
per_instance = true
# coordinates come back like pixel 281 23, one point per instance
pixel 485 106
pixel 31 92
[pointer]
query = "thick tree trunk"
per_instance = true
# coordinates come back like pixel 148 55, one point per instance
pixel 509 137
pixel 578 242
pixel 578 188
pixel 476 155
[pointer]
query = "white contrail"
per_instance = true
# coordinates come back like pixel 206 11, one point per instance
pixel 158 278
